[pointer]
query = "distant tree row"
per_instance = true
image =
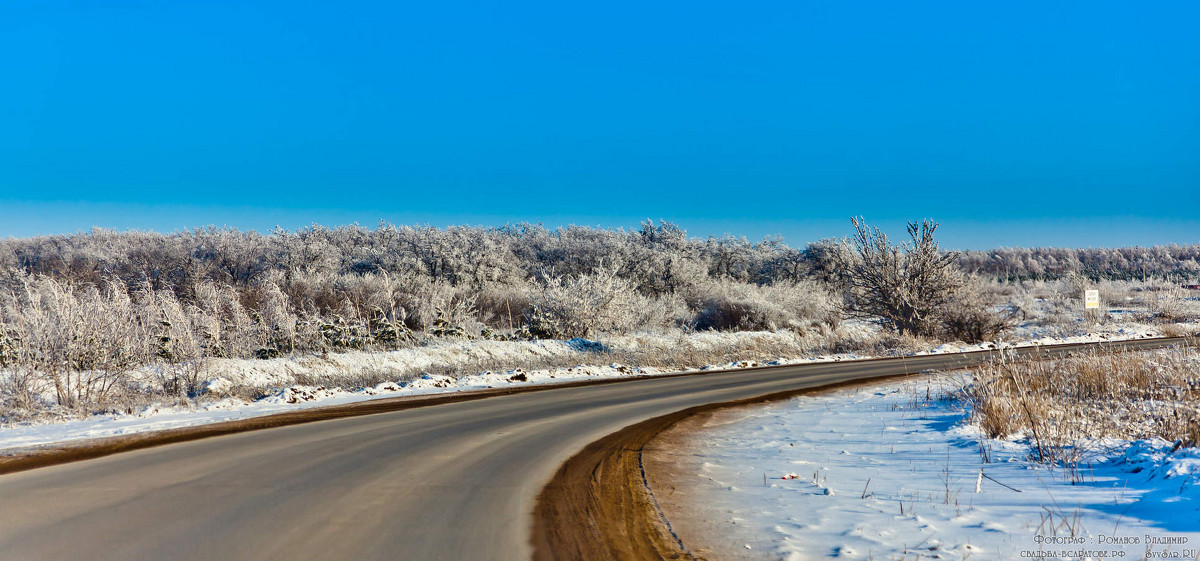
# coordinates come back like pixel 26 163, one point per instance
pixel 1171 262
pixel 657 258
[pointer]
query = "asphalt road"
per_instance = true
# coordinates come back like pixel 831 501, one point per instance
pixel 455 481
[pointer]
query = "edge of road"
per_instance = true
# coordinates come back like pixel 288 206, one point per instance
pixel 599 505
pixel 33 457
pixel 46 455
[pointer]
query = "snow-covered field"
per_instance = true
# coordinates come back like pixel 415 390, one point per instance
pixel 894 472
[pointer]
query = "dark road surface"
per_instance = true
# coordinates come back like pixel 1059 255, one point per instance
pixel 453 481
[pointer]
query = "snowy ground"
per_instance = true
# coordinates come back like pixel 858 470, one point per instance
pixel 884 473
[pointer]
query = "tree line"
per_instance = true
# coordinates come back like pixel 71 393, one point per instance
pixel 78 312
pixel 657 258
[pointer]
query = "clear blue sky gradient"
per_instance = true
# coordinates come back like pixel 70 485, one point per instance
pixel 1012 123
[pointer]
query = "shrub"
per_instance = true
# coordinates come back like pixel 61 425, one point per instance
pixel 902 287
pixel 731 305
pixel 584 305
pixel 973 315
pixel 1063 403
pixel 80 341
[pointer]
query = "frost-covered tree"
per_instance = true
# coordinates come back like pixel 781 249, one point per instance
pixel 904 287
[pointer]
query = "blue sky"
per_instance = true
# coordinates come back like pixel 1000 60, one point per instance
pixel 1014 123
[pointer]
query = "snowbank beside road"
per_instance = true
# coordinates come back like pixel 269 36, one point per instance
pixel 892 472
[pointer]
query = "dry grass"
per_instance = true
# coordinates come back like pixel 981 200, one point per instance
pixel 1064 405
pixel 1175 330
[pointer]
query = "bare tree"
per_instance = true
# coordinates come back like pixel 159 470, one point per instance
pixel 902 287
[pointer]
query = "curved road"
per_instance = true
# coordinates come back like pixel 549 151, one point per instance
pixel 453 481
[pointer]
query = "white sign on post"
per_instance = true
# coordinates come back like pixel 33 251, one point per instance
pixel 1091 299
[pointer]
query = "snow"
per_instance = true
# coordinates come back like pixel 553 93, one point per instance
pixel 1035 338
pixel 883 473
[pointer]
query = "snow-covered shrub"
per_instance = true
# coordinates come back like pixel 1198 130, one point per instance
pixel 1023 302
pixel 318 292
pixel 504 306
pixel 81 342
pixel 1172 304
pixel 975 315
pixel 181 341
pixel 226 328
pixel 388 331
pixel 1118 293
pixel 584 305
pixel 340 333
pixel 273 319
pixel 729 305
pixel 454 313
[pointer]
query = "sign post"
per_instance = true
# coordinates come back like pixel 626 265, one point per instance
pixel 1091 299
